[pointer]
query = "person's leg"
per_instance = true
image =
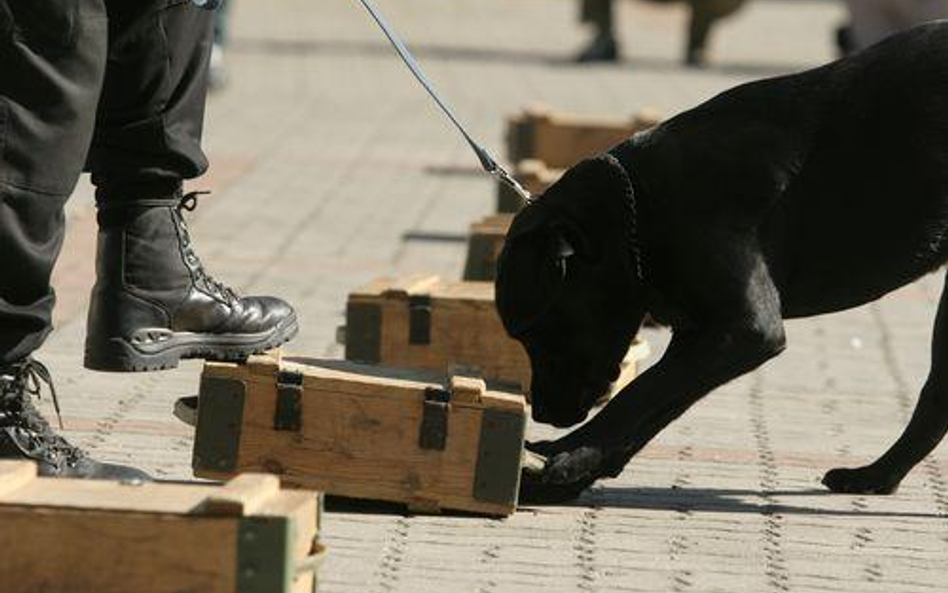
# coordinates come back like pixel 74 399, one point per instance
pixel 150 118
pixel 218 71
pixel 153 303
pixel 704 14
pixel 52 55
pixel 222 24
pixel 603 47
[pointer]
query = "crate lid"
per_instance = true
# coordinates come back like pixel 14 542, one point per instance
pixel 245 495
pixel 431 286
pixel 343 376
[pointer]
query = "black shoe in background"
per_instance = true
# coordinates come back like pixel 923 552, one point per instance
pixel 844 40
pixel 25 434
pixel 696 57
pixel 603 48
pixel 154 304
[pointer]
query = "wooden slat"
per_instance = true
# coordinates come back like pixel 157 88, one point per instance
pixel 562 139
pixel 365 449
pixel 93 495
pixel 70 551
pixel 403 284
pixel 465 330
pixel 360 438
pixel 507 402
pixel 265 364
pixel 82 536
pixel 413 284
pixel 493 225
pixel 466 389
pixel 242 496
pixel 304 509
pixel 14 475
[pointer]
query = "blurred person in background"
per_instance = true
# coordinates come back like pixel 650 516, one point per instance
pixel 605 48
pixel 871 21
pixel 218 71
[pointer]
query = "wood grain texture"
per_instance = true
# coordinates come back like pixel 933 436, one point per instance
pixel 83 536
pixel 465 330
pixel 360 435
pixel 562 139
pixel 485 243
pixel 81 551
pixel 242 496
pixel 15 475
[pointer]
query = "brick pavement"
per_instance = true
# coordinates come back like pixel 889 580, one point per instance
pixel 326 156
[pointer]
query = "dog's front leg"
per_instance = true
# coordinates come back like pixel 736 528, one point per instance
pixel 696 362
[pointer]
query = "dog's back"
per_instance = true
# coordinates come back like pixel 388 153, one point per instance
pixel 842 169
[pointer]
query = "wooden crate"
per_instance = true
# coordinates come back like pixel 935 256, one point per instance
pixel 363 432
pixel 85 536
pixel 534 176
pixel 484 245
pixel 421 322
pixel 563 139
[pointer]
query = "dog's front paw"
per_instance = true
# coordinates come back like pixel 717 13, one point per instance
pixel 862 480
pixel 573 467
pixel 564 477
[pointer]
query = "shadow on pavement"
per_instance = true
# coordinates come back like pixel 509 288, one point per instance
pixel 428 52
pixel 709 500
pixel 381 48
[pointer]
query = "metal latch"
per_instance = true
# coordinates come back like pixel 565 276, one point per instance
pixel 419 319
pixel 434 420
pixel 289 401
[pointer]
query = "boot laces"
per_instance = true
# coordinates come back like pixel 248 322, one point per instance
pixel 189 202
pixel 19 384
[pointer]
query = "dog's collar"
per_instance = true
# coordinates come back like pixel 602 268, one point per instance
pixel 631 203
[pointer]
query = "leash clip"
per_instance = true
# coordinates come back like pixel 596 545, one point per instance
pixel 507 179
pixel 501 174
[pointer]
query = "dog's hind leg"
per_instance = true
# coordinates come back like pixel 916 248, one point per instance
pixel 925 431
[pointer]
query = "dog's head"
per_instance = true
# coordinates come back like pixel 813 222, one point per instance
pixel 568 290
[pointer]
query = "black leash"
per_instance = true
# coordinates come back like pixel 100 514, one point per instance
pixel 487 162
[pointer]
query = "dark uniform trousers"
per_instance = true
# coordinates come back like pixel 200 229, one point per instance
pixel 704 13
pixel 113 86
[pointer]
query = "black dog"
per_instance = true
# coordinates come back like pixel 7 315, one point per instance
pixel 783 198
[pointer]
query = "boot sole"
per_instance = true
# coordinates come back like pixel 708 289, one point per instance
pixel 120 355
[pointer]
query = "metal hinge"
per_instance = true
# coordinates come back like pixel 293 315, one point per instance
pixel 434 420
pixel 419 319
pixel 289 401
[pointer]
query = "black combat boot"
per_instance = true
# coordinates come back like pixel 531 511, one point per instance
pixel 153 304
pixel 603 48
pixel 25 434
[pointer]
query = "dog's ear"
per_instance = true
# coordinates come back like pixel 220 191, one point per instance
pixel 589 204
pixel 530 271
pixel 574 218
